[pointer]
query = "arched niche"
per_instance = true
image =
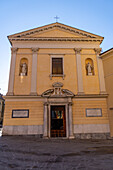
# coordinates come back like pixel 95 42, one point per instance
pixel 89 66
pixel 23 68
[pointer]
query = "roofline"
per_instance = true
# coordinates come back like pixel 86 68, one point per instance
pixel 30 29
pixel 52 24
pixel 109 50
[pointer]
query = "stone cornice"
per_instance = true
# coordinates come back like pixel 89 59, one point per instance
pixel 40 97
pixel 55 39
pixel 92 96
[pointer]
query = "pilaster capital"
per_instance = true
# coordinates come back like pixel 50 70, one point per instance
pixel 14 50
pixel 97 50
pixel 77 50
pixel 45 104
pixel 70 103
pixel 35 50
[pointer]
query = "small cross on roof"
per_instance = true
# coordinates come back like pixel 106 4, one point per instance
pixel 56 18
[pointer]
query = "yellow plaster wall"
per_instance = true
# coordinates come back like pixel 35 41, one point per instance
pixel 22 84
pixel 108 73
pixel 44 63
pixel 35 113
pixel 90 83
pixel 79 112
pixel 108 65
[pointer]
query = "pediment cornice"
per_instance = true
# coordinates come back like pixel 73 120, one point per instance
pixel 84 36
pixel 55 39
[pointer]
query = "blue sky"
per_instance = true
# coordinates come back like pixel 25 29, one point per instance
pixel 95 16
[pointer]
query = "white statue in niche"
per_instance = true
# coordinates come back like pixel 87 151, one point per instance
pixel 23 69
pixel 89 69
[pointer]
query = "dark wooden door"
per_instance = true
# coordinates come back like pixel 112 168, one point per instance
pixel 58 121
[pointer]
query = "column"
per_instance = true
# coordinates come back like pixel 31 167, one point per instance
pixel 45 120
pixel 100 72
pixel 34 72
pixel 12 71
pixel 79 71
pixel 70 121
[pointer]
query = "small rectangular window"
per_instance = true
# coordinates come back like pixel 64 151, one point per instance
pixel 57 65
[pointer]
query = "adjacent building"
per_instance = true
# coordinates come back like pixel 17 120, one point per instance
pixel 56 84
pixel 2 103
pixel 107 58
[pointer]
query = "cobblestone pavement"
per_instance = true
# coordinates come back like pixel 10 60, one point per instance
pixel 29 152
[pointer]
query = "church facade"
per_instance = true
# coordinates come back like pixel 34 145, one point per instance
pixel 56 84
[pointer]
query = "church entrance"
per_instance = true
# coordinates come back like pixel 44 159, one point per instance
pixel 58 121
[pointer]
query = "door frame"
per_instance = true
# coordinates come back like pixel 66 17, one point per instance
pixel 63 106
pixel 58 101
pixel 66 116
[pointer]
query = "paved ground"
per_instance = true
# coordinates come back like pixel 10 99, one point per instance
pixel 26 153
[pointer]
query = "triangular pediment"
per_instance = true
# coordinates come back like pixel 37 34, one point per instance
pixel 55 31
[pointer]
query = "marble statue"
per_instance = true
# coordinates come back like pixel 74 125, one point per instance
pixel 23 69
pixel 89 69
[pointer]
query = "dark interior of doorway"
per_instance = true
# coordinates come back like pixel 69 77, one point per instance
pixel 58 121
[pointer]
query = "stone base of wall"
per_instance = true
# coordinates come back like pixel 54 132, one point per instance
pixel 23 130
pixel 92 136
pixel 91 128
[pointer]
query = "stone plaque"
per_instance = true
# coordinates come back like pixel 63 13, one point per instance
pixel 95 112
pixel 20 113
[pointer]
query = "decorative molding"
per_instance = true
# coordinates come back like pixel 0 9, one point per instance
pixel 35 50
pixel 91 96
pixel 33 93
pixel 97 50
pixel 46 104
pixel 47 92
pixel 56 39
pixel 57 91
pixel 57 84
pixel 57 75
pixel 70 103
pixel 77 50
pixel 9 94
pixel 62 93
pixel 14 50
pixel 68 92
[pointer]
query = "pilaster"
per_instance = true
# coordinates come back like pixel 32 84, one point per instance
pixel 79 71
pixel 45 134
pixel 100 71
pixel 70 121
pixel 34 72
pixel 12 71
